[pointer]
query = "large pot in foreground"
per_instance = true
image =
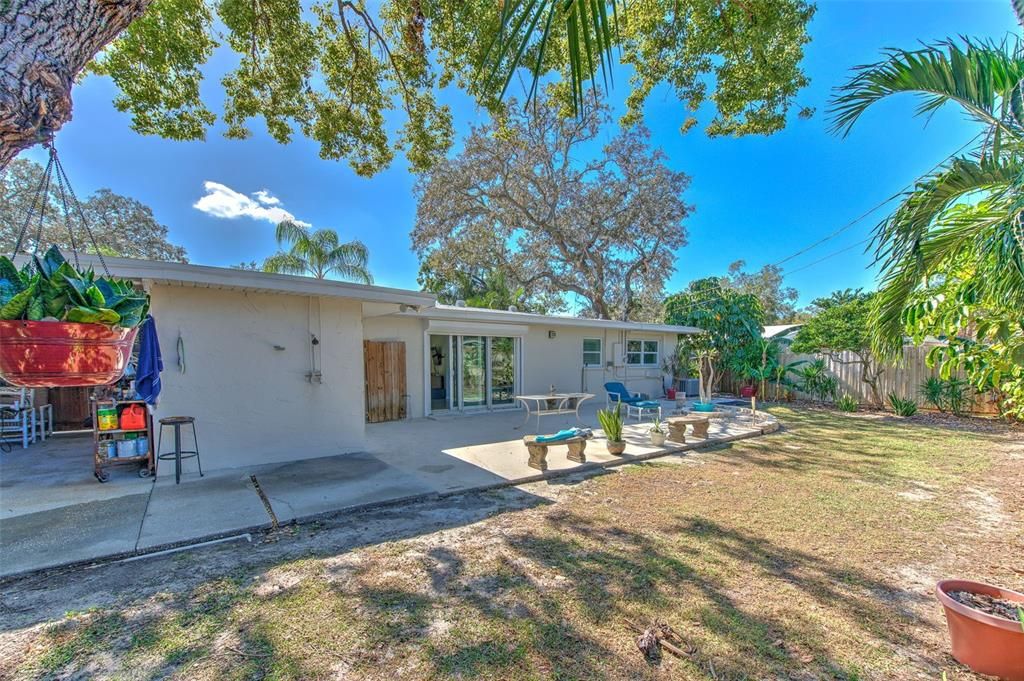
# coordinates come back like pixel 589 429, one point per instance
pixel 985 643
pixel 63 354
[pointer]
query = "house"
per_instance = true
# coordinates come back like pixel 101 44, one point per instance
pixel 278 367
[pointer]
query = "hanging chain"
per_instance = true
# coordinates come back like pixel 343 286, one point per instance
pixel 78 209
pixel 39 197
pixel 64 208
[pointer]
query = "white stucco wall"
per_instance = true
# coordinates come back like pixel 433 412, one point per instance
pixel 252 403
pixel 559 361
pixel 409 330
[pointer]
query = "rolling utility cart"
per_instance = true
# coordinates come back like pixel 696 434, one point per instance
pixel 115 440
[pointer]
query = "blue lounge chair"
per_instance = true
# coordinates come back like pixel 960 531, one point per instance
pixel 634 402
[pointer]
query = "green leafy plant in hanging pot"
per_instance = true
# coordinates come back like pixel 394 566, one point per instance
pixel 64 327
pixel 50 289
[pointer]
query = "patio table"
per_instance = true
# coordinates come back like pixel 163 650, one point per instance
pixel 540 404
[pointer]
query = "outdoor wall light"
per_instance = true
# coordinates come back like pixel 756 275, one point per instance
pixel 551 334
pixel 279 348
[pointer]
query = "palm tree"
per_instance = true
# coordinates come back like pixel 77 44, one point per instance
pixel 318 253
pixel 959 227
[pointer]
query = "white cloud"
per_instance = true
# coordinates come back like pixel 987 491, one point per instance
pixel 266 198
pixel 222 201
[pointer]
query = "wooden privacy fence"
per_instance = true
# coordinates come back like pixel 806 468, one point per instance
pixel 903 378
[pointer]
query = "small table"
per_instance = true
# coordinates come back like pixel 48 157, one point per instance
pixel 541 406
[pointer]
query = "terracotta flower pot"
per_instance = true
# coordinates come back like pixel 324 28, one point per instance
pixel 63 354
pixel 985 643
pixel 616 448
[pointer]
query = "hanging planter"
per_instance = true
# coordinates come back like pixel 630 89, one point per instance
pixel 63 354
pixel 61 326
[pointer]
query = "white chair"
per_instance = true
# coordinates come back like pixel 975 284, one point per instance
pixel 16 423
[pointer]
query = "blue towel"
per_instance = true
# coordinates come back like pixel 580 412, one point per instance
pixel 566 434
pixel 147 378
pixel 646 403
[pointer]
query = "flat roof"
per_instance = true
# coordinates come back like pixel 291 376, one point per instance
pixel 204 276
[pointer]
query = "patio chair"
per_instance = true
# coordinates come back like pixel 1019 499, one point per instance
pixel 616 393
pixel 16 425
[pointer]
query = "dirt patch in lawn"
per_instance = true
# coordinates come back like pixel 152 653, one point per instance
pixel 807 554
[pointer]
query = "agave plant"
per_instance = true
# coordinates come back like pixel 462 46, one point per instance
pixel 49 288
pixel 611 423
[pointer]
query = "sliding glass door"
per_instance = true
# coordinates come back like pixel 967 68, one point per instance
pixel 474 371
pixel 483 371
pixel 503 370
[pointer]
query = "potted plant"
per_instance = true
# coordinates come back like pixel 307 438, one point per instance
pixel 63 327
pixel 657 433
pixel 611 424
pixel 986 627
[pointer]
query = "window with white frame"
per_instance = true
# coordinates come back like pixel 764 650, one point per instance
pixel 642 353
pixel 592 352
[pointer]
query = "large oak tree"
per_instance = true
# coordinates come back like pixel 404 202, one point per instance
pixel 535 196
pixel 338 72
pixel 121 225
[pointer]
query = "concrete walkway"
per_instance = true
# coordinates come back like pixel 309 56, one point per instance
pixel 53 512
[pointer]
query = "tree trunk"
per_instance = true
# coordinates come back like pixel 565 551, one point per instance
pixel 44 45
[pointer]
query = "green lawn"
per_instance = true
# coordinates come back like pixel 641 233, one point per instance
pixel 805 554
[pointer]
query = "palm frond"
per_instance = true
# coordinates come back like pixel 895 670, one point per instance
pixel 288 233
pixel 1018 8
pixel 285 263
pixel 977 76
pixel 528 27
pixel 897 237
pixel 982 234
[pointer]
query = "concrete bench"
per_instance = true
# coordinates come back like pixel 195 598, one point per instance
pixel 677 427
pixel 539 450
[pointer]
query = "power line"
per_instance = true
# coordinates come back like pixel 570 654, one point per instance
pixel 860 217
pixel 830 255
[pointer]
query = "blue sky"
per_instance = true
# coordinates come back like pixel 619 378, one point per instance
pixel 759 199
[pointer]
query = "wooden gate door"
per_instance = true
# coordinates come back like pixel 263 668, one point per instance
pixel 385 380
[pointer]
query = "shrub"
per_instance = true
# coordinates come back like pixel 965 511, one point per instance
pixel 933 391
pixel 848 403
pixel 815 380
pixel 952 394
pixel 901 406
pixel 958 395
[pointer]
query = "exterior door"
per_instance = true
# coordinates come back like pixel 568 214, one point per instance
pixel 384 369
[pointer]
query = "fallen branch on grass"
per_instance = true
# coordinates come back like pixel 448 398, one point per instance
pixel 658 635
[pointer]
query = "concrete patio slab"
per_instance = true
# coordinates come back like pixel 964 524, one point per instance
pixel 216 504
pixel 406 459
pixel 60 471
pixel 313 486
pixel 79 532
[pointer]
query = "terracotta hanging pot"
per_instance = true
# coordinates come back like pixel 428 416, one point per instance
pixel 63 354
pixel 987 644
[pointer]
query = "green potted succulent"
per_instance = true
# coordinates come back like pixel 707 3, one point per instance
pixel 61 327
pixel 657 433
pixel 611 424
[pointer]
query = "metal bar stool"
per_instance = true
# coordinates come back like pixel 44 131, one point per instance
pixel 178 454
